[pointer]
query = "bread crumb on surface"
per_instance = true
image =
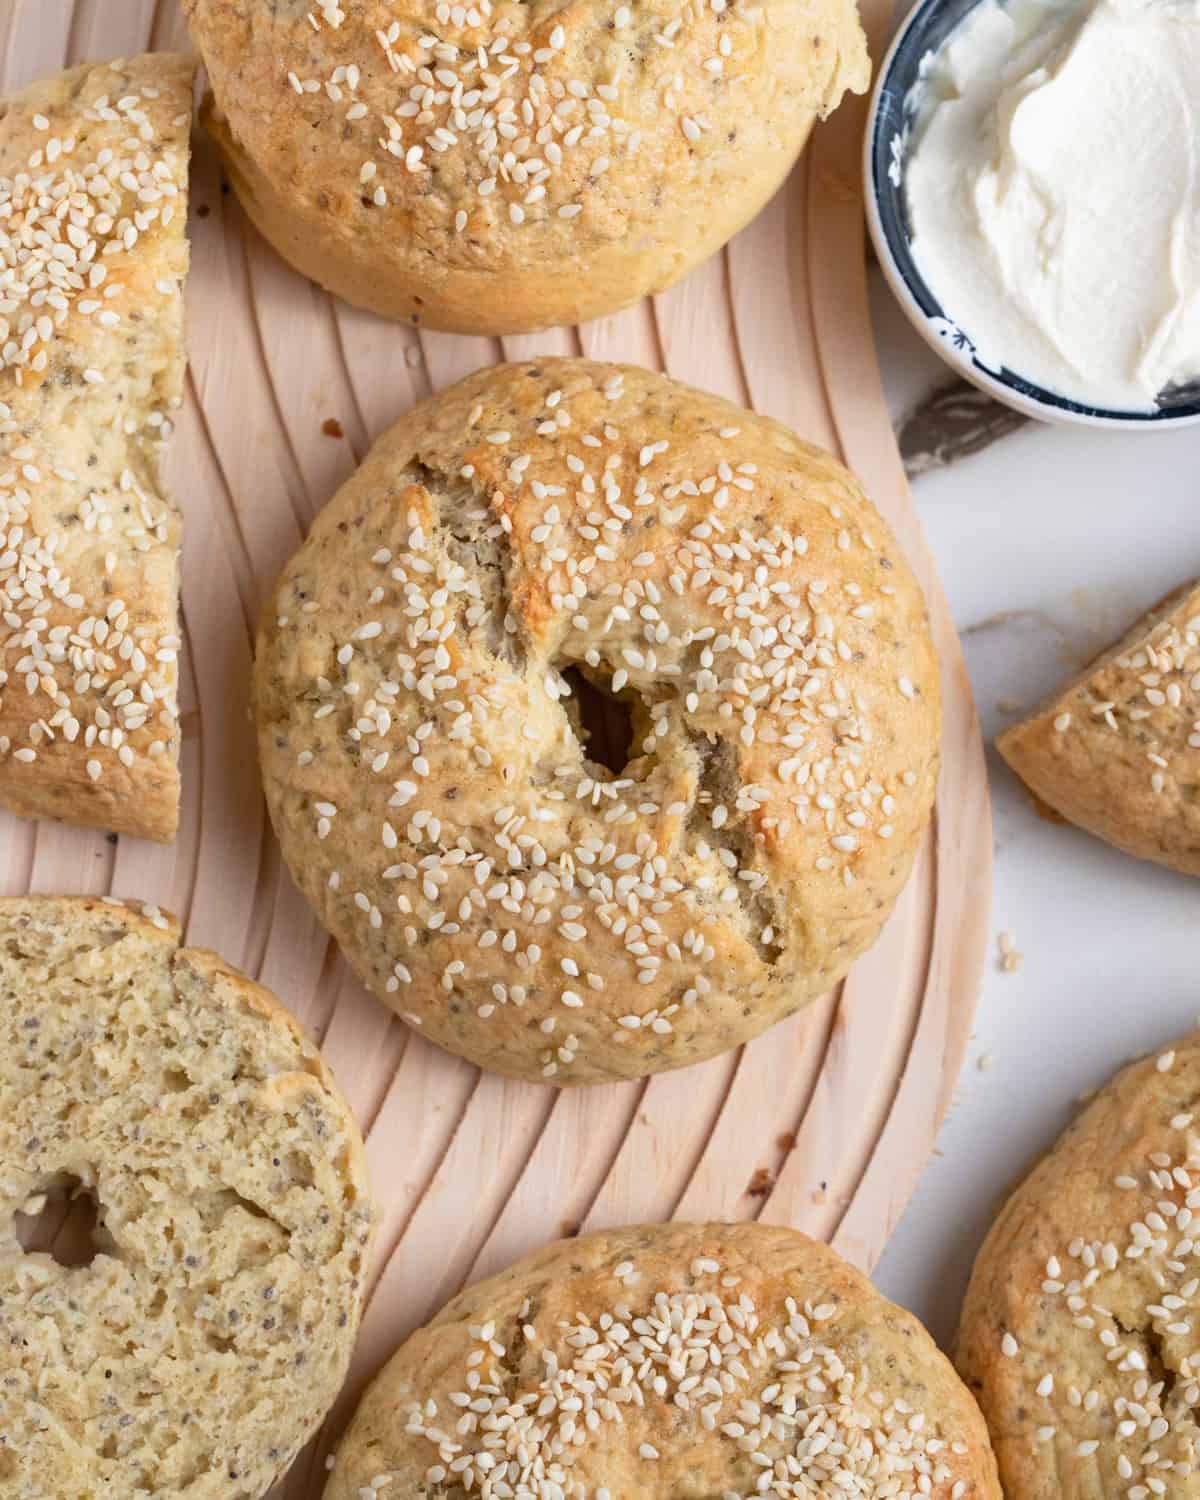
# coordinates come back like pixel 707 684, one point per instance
pixel 760 1183
pixel 1010 959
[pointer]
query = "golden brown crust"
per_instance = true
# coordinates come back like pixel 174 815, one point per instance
pixel 1078 1331
pixel 498 167
pixel 91 365
pixel 690 1359
pixel 1118 751
pixel 424 762
pixel 197 1346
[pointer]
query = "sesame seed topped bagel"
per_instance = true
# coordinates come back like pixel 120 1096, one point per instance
pixel 1078 1333
pixel 669 1362
pixel 498 166
pixel 536 566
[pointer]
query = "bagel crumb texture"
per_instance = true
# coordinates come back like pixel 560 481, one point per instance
pixel 418 682
pixel 723 1361
pixel 198 1346
pixel 497 166
pixel 1079 1329
pixel 93 254
pixel 1117 751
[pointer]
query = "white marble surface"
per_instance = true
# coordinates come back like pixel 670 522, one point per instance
pixel 1049 543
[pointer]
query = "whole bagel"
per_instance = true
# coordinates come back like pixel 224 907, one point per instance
pixel 669 1362
pixel 536 536
pixel 1078 1332
pixel 498 166
pixel 189 1345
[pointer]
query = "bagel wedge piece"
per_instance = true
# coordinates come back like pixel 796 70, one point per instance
pixel 1117 751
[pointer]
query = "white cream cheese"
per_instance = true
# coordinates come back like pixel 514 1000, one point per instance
pixel 1053 190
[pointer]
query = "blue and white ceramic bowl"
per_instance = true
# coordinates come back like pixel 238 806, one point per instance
pixel 894 106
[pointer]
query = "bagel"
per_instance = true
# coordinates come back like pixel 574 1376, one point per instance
pixel 697 1360
pixel 191 1344
pixel 1116 751
pixel 498 166
pixel 546 533
pixel 93 255
pixel 1078 1332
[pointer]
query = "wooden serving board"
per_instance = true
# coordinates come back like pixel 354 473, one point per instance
pixel 825 1122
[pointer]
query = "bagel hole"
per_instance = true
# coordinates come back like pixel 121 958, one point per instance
pixel 65 1223
pixel 720 782
pixel 604 720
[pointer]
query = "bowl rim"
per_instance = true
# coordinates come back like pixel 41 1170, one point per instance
pixel 923 309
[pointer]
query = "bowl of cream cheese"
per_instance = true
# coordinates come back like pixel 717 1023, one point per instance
pixel 1033 193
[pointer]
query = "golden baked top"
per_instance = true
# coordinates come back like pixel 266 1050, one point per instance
pixel 544 526
pixel 1079 1330
pixel 1118 750
pixel 93 181
pixel 198 1339
pixel 713 1360
pixel 515 141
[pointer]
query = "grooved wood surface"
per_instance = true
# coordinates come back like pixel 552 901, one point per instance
pixel 823 1123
